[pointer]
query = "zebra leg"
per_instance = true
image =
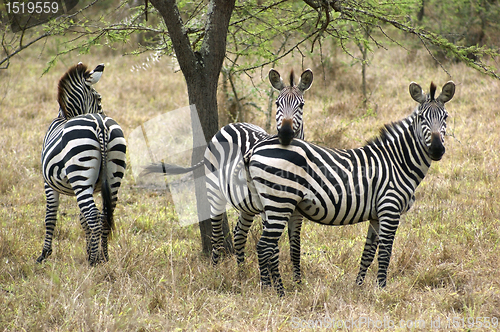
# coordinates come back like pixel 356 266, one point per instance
pixel 92 215
pixel 294 228
pixel 52 197
pixel 275 272
pixel 217 238
pixel 264 254
pixel 267 250
pixel 217 208
pixel 371 244
pixel 86 229
pixel 245 221
pixel 387 232
pixel 106 227
pixel 106 230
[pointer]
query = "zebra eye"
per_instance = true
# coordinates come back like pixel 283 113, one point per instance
pixel 301 105
pixel 423 121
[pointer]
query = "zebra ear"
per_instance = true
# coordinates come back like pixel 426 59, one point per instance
pixel 275 79
pixel 447 92
pixel 95 75
pixel 306 80
pixel 416 93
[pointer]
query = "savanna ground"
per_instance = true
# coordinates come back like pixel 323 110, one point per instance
pixel 444 267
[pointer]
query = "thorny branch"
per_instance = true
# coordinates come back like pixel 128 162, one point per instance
pixel 326 25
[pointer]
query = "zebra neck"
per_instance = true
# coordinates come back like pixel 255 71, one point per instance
pixel 300 133
pixel 403 145
pixel 61 113
pixel 414 153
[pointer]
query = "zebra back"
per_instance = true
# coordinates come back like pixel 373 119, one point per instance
pixel 76 95
pixel 290 104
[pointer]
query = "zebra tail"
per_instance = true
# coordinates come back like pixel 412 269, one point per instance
pixel 107 196
pixel 169 169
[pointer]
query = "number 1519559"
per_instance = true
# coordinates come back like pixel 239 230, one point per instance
pixel 35 7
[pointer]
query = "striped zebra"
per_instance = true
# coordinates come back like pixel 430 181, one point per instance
pixel 83 153
pixel 225 176
pixel 337 187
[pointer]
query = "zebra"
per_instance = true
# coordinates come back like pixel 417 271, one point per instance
pixel 83 153
pixel 373 183
pixel 225 175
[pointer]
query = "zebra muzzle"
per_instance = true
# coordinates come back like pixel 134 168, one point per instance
pixel 286 133
pixel 437 149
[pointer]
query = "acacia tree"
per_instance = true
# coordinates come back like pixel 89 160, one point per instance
pixel 201 34
pixel 201 68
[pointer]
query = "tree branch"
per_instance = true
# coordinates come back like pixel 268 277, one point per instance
pixel 178 34
pixel 213 47
pixel 19 49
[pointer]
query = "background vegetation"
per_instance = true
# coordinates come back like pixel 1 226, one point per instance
pixel 445 260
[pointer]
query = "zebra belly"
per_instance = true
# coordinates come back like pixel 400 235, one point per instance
pixel 333 213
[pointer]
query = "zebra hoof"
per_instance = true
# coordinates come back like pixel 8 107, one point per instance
pixel 93 261
pixel 240 260
pixel 265 282
pixel 360 280
pixel 297 278
pixel 45 253
pixel 382 283
pixel 215 258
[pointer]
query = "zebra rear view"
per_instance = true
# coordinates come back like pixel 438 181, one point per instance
pixel 83 153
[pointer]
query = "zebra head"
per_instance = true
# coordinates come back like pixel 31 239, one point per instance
pixel 431 117
pixel 290 103
pixel 76 94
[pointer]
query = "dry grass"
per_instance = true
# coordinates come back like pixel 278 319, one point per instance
pixel 445 260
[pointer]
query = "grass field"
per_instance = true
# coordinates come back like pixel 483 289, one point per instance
pixel 445 263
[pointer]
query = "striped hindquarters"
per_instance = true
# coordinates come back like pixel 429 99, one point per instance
pixel 224 168
pixel 72 153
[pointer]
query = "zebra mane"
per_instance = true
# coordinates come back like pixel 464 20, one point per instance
pixel 390 131
pixel 432 91
pixel 76 73
pixel 291 78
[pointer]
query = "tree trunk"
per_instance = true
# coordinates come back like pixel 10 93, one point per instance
pixel 201 70
pixel 202 93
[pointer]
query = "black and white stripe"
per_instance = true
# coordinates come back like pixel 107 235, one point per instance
pixel 83 153
pixel 226 175
pixel 290 105
pixel 376 182
pixel 224 169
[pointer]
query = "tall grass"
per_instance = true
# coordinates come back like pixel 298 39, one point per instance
pixel 445 262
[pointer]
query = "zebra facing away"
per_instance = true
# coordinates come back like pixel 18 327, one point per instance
pixel 376 182
pixel 83 153
pixel 224 169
